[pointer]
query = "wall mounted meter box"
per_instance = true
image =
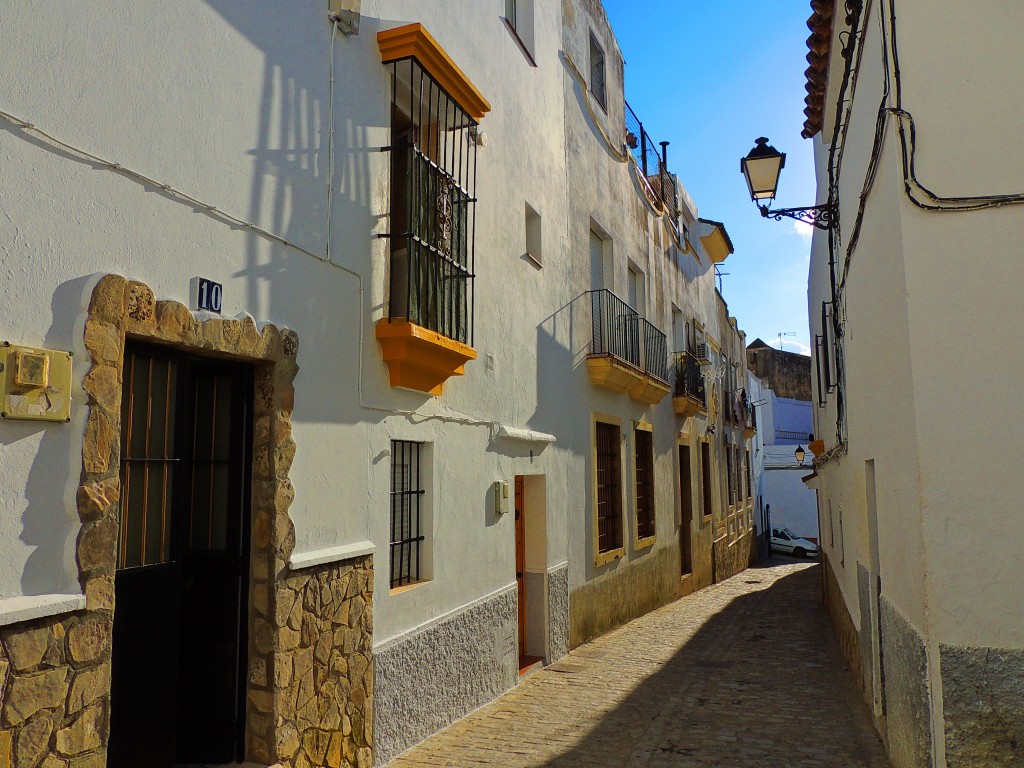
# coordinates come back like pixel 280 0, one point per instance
pixel 501 492
pixel 35 384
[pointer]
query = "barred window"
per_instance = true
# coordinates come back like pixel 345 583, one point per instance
pixel 433 182
pixel 644 441
pixel 705 479
pixel 407 529
pixel 746 470
pixel 609 488
pixel 730 482
pixel 597 75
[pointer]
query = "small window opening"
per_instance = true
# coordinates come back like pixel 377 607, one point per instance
pixel 597 73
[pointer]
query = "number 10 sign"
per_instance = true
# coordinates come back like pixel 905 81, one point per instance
pixel 206 294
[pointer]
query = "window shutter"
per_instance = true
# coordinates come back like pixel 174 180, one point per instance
pixel 596 262
pixel 631 292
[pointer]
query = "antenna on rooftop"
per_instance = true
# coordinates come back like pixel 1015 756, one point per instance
pixel 719 274
pixel 785 333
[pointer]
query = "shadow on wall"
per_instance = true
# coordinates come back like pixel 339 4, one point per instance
pixel 289 197
pixel 50 522
pixel 762 676
pixel 563 341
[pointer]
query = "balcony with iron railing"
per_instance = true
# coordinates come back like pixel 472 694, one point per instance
pixel 426 336
pixel 689 396
pixel 627 352
pixel 659 184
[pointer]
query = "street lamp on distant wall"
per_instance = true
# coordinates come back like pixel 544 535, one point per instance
pixel 799 454
pixel 761 168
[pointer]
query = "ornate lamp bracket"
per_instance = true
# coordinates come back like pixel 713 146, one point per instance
pixel 821 216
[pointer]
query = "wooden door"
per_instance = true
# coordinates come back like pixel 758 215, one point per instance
pixel 181 585
pixel 521 563
pixel 686 502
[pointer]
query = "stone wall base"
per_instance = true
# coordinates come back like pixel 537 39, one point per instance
pixel 632 589
pixel 702 561
pixel 315 700
pixel 728 559
pixel 558 612
pixel 842 623
pixel 905 682
pixel 983 705
pixel 55 691
pixel 428 680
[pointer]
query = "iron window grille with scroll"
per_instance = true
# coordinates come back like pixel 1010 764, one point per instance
pixel 433 196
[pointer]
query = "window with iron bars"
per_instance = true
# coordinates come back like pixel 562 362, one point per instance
pixel 644 470
pixel 433 192
pixel 597 73
pixel 609 488
pixel 407 519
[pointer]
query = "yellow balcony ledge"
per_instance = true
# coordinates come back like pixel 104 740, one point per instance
pixel 686 406
pixel 717 243
pixel 649 390
pixel 418 358
pixel 609 373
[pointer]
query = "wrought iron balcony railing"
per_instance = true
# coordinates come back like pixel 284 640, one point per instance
pixel 689 382
pixel 430 276
pixel 620 332
pixel 660 182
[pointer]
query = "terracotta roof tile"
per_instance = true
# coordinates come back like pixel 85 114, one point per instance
pixel 819 46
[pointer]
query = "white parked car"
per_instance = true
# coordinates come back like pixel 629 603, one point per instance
pixel 784 540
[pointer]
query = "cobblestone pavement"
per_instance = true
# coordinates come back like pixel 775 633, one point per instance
pixel 744 673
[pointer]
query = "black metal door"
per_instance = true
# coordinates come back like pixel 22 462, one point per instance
pixel 181 584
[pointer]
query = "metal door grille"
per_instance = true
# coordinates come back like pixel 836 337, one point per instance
pixel 609 495
pixel 148 462
pixel 211 464
pixel 406 512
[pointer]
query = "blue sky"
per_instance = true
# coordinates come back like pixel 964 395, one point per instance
pixel 710 77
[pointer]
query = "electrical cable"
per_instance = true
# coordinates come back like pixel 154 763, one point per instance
pixel 917 193
pixel 236 221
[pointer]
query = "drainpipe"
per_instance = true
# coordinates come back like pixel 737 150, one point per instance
pixel 664 169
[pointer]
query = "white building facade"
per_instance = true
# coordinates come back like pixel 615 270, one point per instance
pixel 917 282
pixel 352 426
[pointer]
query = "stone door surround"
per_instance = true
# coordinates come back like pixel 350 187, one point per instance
pixel 310 678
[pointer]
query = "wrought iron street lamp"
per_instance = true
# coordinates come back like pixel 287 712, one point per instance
pixel 799 453
pixel 761 168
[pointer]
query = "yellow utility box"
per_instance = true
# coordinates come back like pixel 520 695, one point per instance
pixel 35 383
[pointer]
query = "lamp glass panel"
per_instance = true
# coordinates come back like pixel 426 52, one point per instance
pixel 762 176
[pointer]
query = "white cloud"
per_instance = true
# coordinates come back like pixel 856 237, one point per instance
pixel 795 346
pixel 803 229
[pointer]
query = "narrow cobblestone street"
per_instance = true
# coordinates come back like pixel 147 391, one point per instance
pixel 744 673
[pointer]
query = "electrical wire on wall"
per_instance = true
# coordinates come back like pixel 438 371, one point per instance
pixel 852 53
pixel 44 138
pixel 890 108
pixel 918 194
